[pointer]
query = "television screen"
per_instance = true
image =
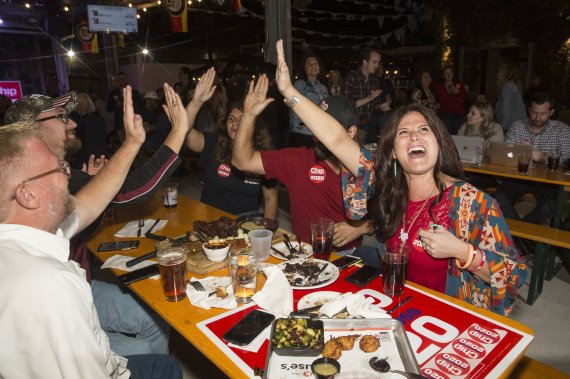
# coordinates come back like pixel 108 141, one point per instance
pixel 103 18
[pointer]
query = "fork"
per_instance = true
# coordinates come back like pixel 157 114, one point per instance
pixel 197 286
pixel 141 224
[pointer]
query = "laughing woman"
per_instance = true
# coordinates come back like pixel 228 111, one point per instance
pixel 225 187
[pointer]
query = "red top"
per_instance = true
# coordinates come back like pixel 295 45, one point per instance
pixel 422 267
pixel 451 103
pixel 315 190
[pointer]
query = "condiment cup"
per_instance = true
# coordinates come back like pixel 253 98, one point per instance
pixel 216 251
pixel 332 368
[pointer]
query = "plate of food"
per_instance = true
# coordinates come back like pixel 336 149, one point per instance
pixel 315 299
pixel 297 252
pixel 307 274
pixel 255 223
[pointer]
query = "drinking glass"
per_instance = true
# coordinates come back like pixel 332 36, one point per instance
pixel 480 156
pixel 523 163
pixel 260 240
pixel 553 160
pixel 322 230
pixel 394 268
pixel 170 195
pixel 172 267
pixel 243 271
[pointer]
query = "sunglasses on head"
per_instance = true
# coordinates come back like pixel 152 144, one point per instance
pixel 64 117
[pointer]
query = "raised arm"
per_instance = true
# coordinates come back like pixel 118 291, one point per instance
pixel 270 201
pixel 203 92
pixel 94 197
pixel 177 115
pixel 329 131
pixel 244 156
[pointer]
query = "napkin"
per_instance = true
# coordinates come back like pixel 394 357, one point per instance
pixel 119 261
pixel 132 227
pixel 357 305
pixel 276 283
pixel 202 300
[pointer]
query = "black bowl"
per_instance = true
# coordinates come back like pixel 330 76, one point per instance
pixel 327 361
pixel 300 351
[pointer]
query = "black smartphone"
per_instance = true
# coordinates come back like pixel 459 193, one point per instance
pixel 119 245
pixel 346 261
pixel 248 327
pixel 364 275
pixel 140 274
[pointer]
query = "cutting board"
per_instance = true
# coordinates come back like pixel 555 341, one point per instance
pixel 198 263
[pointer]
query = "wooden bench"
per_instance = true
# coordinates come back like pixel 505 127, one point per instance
pixel 529 368
pixel 543 255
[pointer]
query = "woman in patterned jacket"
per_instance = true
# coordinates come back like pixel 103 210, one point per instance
pixel 459 241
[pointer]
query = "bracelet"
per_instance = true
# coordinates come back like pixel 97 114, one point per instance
pixel 481 264
pixel 292 102
pixel 469 259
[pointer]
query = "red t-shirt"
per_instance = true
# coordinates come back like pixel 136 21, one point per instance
pixel 422 267
pixel 315 190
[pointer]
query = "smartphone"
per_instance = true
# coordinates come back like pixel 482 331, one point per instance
pixel 119 245
pixel 346 261
pixel 140 274
pixel 364 275
pixel 249 327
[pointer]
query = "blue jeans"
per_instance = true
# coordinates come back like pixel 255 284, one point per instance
pixel 154 366
pixel 132 328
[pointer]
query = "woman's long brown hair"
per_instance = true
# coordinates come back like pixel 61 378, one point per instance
pixel 391 197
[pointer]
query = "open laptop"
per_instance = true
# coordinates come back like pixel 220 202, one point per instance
pixel 467 147
pixel 505 153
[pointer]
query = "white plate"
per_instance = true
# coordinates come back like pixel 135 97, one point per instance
pixel 330 275
pixel 316 298
pixel 305 247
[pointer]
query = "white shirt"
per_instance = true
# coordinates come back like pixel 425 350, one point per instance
pixel 49 327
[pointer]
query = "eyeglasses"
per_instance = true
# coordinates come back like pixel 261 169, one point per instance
pixel 64 117
pixel 62 167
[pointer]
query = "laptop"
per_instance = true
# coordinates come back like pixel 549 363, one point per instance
pixel 467 147
pixel 505 153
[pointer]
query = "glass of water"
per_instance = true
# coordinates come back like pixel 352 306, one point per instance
pixel 480 156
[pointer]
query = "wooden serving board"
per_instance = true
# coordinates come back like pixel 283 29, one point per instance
pixel 198 263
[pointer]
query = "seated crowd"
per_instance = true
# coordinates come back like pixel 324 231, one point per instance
pixel 412 194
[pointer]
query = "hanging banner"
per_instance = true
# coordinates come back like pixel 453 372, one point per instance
pixel 178 15
pixel 88 39
pixel 237 5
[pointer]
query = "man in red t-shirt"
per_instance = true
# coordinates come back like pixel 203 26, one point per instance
pixel 313 176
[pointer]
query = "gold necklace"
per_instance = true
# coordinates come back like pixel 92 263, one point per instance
pixel 403 234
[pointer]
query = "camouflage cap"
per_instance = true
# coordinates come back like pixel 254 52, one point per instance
pixel 29 107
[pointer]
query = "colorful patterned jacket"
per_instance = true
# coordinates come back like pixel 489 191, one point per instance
pixel 475 217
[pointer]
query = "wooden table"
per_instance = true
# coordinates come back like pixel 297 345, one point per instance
pixel 181 315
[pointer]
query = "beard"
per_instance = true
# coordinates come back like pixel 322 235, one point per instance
pixel 71 145
pixel 68 203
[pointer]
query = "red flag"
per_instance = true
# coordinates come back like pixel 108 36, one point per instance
pixel 178 15
pixel 237 5
pixel 88 39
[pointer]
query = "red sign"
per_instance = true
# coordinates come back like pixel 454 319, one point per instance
pixel 11 89
pixel 317 174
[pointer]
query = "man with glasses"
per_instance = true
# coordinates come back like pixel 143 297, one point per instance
pixel 49 327
pixel 122 315
pixel 546 137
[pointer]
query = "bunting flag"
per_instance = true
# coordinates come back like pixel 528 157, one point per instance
pixel 178 15
pixel 88 39
pixel 237 5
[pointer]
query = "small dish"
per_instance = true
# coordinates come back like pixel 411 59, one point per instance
pixel 325 368
pixel 305 251
pixel 216 251
pixel 259 223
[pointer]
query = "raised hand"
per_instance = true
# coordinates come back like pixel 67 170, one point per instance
pixel 93 166
pixel 134 130
pixel 205 87
pixel 175 109
pixel 282 77
pixel 255 101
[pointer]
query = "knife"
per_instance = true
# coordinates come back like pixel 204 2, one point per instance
pixel 152 227
pixel 133 262
pixel 404 301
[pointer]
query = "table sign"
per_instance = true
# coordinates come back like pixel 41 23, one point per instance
pixel 448 341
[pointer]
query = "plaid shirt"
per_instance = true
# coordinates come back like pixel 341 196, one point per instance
pixel 554 137
pixel 357 86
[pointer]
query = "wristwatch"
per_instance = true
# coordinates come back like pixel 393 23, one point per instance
pixel 291 102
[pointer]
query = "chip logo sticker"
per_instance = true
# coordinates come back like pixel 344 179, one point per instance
pixel 469 349
pixel 483 335
pixel 452 364
pixel 224 170
pixel 433 373
pixel 317 174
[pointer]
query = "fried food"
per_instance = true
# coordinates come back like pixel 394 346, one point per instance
pixel 369 343
pixel 332 349
pixel 221 292
pixel 347 342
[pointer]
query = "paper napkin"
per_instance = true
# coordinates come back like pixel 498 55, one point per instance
pixel 132 227
pixel 119 261
pixel 276 295
pixel 202 300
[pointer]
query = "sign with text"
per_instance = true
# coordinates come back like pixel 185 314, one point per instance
pixel 105 18
pixel 12 89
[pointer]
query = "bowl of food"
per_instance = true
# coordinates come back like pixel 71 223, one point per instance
pixel 255 223
pixel 299 337
pixel 325 368
pixel 216 250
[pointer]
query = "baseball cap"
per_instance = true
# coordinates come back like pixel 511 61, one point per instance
pixel 29 107
pixel 151 95
pixel 342 109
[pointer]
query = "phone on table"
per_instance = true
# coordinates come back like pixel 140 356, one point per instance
pixel 345 261
pixel 249 327
pixel 140 274
pixel 364 275
pixel 119 245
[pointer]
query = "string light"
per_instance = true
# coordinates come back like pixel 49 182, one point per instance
pixel 130 5
pixel 144 9
pixel 71 53
pixel 138 15
pixel 189 2
pixel 159 2
pixel 28 5
pixel 145 51
pixel 66 8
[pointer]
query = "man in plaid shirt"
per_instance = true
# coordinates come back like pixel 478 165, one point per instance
pixel 546 137
pixel 363 87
